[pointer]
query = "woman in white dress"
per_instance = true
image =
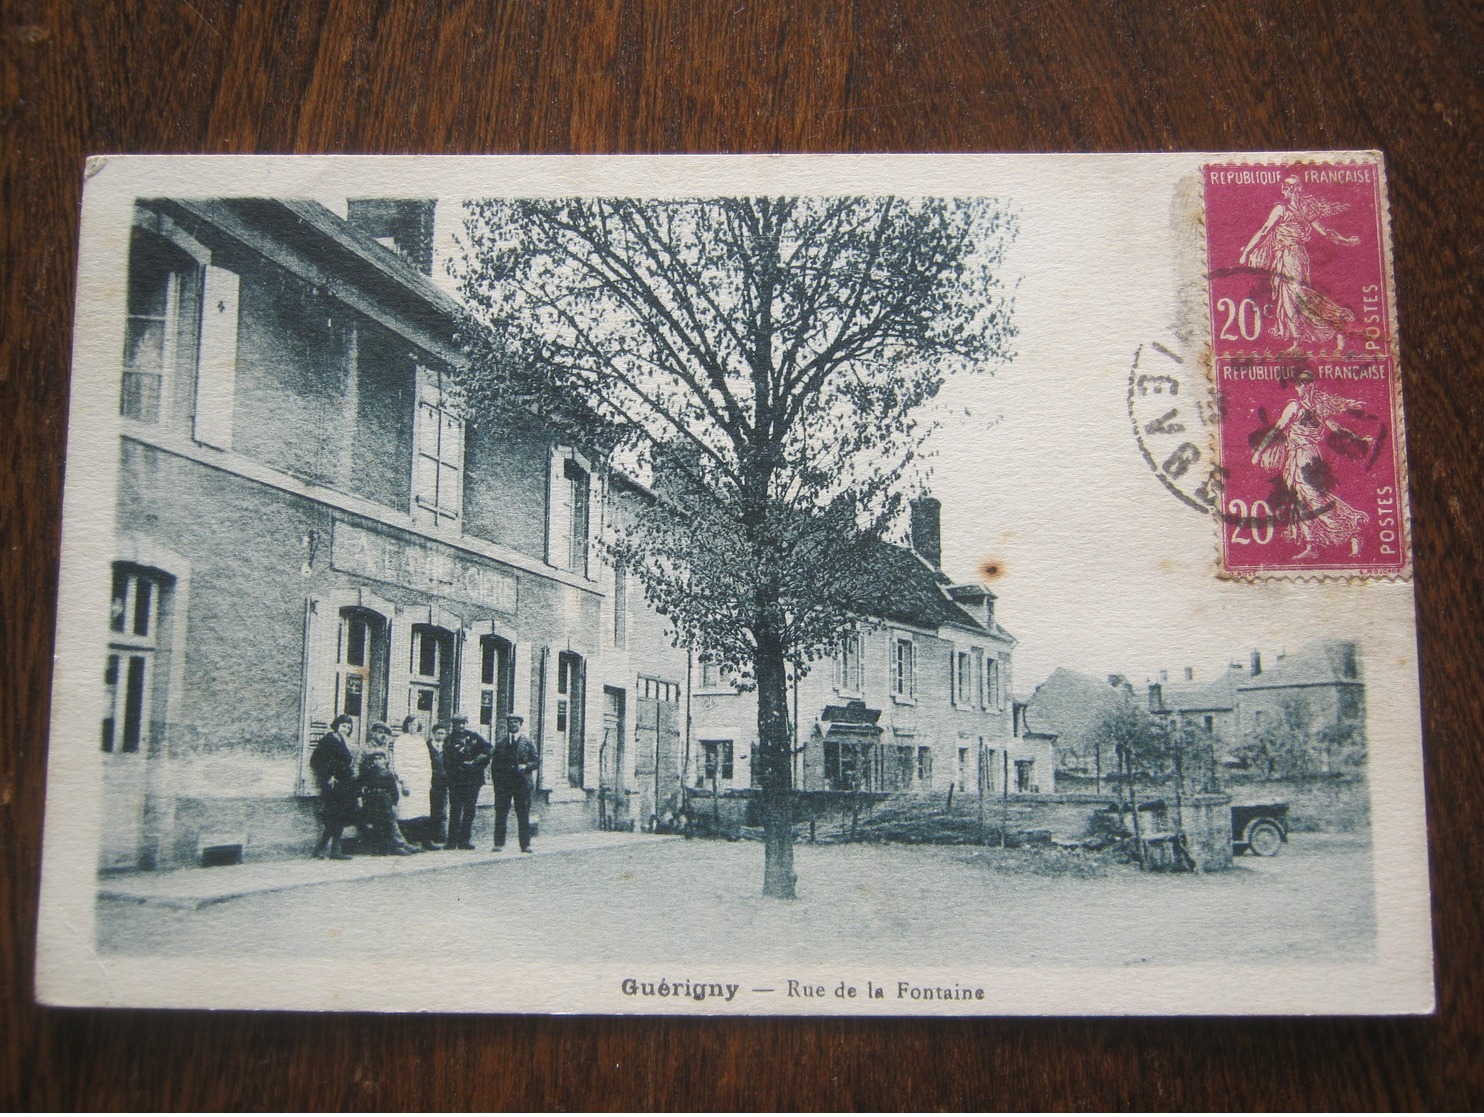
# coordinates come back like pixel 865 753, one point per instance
pixel 413 764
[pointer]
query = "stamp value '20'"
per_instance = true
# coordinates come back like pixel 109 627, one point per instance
pixel 1308 396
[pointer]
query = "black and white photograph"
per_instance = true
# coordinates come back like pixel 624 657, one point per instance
pixel 744 585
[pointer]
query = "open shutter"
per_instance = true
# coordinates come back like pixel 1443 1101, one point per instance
pixel 559 511
pixel 216 375
pixel 321 631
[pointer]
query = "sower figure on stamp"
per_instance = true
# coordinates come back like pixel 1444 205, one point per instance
pixel 512 770
pixel 465 757
pixel 334 775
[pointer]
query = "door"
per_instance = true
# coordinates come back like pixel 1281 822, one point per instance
pixel 496 684
pixel 612 770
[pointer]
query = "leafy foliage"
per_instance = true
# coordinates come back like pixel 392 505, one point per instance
pixel 762 362
pixel 764 365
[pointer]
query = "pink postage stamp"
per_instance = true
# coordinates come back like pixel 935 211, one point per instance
pixel 1308 399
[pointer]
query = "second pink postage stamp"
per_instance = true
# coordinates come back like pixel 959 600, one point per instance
pixel 1308 398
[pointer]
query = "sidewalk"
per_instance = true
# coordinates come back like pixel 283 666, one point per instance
pixel 195 888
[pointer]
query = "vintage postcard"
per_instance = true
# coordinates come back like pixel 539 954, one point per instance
pixel 871 585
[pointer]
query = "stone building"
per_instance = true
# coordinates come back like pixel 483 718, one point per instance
pixel 1324 676
pixel 307 525
pixel 918 699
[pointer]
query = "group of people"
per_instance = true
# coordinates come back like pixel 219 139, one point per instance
pixel 410 793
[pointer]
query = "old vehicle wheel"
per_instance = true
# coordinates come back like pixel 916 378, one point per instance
pixel 1264 838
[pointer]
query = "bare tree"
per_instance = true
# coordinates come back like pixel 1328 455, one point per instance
pixel 764 364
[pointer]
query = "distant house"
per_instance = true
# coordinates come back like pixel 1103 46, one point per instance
pixel 1071 707
pixel 1210 705
pixel 1324 675
pixel 917 700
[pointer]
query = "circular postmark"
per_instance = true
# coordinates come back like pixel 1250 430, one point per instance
pixel 1173 415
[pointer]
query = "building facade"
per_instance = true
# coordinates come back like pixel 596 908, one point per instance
pixel 1323 679
pixel 917 700
pixel 307 526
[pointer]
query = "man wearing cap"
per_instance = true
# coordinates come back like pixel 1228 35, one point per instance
pixel 512 770
pixel 465 757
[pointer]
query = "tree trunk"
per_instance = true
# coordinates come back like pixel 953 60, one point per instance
pixel 775 772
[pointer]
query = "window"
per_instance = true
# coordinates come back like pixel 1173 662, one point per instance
pixel 904 759
pixel 430 691
pixel 162 284
pixel 577 483
pixel 850 663
pixel 712 677
pixel 569 518
pixel 902 660
pixel 963 679
pixel 570 690
pixel 925 766
pixel 992 696
pixel 963 769
pixel 360 669
pixel 660 689
pixel 437 475
pixel 1025 774
pixel 717 756
pixel 620 605
pixel 128 676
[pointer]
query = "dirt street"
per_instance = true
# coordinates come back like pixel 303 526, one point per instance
pixel 696 900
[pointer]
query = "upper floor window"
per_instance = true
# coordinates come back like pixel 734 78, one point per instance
pixel 993 697
pixel 712 676
pixel 437 476
pixel 850 663
pixel 903 662
pixel 976 695
pixel 620 605
pixel 569 522
pixel 963 679
pixel 163 287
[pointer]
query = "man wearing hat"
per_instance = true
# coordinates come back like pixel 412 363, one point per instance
pixel 512 770
pixel 465 757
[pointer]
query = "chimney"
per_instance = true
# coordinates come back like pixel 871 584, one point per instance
pixel 1256 663
pixel 927 529
pixel 1164 676
pixel 405 225
pixel 1156 698
pixel 1189 674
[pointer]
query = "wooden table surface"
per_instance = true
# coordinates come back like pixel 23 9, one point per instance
pixel 739 76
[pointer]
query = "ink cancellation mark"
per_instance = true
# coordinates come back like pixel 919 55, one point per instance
pixel 1169 407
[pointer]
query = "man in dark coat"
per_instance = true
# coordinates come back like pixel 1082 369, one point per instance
pixel 465 757
pixel 512 770
pixel 335 776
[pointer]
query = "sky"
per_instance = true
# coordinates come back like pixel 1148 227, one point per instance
pixel 1101 568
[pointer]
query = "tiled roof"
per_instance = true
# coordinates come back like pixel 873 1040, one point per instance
pixel 912 593
pixel 1319 663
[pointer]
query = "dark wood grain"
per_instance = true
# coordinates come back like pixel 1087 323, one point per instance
pixel 876 75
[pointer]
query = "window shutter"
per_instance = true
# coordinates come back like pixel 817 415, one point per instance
pixel 558 511
pixel 321 632
pixel 216 375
